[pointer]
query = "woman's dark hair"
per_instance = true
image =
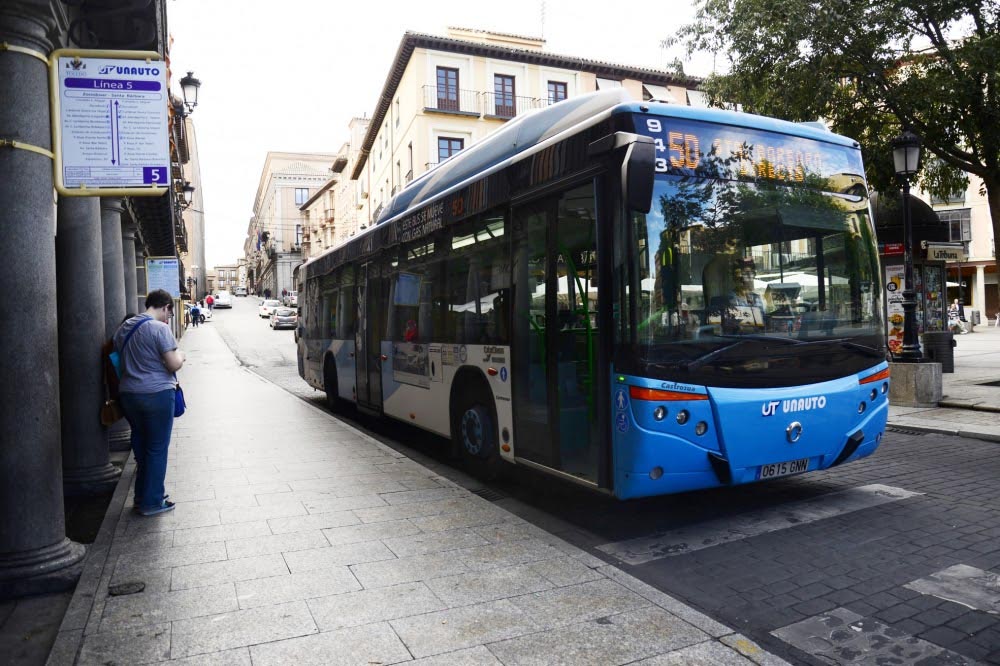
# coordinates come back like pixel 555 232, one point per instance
pixel 158 299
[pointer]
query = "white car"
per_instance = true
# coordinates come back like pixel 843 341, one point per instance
pixel 223 299
pixel 267 307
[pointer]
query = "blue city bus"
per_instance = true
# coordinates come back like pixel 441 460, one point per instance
pixel 643 298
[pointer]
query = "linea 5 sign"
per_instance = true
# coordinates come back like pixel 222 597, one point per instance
pixel 110 122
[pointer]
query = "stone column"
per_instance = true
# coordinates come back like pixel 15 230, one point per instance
pixel 980 301
pixel 87 469
pixel 114 270
pixel 128 264
pixel 114 293
pixel 35 555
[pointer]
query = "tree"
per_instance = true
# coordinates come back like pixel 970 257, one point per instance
pixel 870 69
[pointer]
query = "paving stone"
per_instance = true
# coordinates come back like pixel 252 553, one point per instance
pixel 564 571
pixel 401 511
pixel 709 653
pixel 334 504
pixel 421 544
pixel 274 543
pixel 373 605
pixel 410 496
pixel 456 628
pixel 259 513
pixel 841 634
pixel 480 586
pixel 508 531
pixel 213 573
pixel 577 603
pixel 477 656
pixel 506 554
pixel 614 639
pixel 752 651
pixel 220 533
pixel 133 645
pixel 369 644
pixel 237 657
pixel 370 531
pixel 297 586
pixel 156 608
pixel 317 521
pixel 409 569
pixel 452 521
pixel 240 628
pixel 341 554
pixel 130 564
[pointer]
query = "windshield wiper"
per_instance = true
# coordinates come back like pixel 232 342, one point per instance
pixel 843 342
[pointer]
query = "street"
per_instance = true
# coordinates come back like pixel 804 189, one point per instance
pixel 900 544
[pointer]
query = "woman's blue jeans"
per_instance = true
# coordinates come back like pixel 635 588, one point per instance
pixel 151 416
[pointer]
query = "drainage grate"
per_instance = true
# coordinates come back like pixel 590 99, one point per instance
pixel 489 494
pixel 904 431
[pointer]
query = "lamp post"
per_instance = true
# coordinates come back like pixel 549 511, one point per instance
pixel 906 160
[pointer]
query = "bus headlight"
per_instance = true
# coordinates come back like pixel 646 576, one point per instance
pixel 660 413
pixel 862 406
pixel 701 428
pixel 683 416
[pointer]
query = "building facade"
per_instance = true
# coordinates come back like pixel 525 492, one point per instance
pixel 273 247
pixel 974 279
pixel 227 277
pixel 444 93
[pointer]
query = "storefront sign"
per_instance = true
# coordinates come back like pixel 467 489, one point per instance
pixel 892 249
pixel 947 252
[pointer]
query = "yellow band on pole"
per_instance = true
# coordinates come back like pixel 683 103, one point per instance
pixel 20 145
pixel 4 46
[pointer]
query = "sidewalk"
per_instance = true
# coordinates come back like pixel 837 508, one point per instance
pixel 969 407
pixel 297 539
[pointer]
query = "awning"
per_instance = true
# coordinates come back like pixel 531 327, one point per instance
pixel 660 93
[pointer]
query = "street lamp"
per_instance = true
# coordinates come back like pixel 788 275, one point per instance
pixel 189 88
pixel 188 192
pixel 906 159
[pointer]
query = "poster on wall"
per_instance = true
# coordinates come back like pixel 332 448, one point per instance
pixel 894 285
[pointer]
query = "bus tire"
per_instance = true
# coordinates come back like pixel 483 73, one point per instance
pixel 474 432
pixel 330 384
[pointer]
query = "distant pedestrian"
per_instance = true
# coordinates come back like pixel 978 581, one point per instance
pixel 150 359
pixel 209 301
pixel 195 315
pixel 267 294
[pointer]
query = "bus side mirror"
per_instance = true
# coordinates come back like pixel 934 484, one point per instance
pixel 637 166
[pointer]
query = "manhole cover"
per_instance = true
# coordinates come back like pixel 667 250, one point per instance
pixel 132 587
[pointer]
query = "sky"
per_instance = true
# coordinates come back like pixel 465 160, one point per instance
pixel 288 75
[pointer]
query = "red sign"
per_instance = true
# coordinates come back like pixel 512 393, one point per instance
pixel 890 249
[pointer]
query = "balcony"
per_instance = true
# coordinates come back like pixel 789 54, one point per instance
pixel 507 106
pixel 459 102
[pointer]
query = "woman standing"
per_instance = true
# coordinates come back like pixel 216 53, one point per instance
pixel 150 358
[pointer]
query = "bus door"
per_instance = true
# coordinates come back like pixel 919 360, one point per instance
pixel 556 334
pixel 368 337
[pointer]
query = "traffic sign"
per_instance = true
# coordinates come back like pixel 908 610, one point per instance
pixel 110 122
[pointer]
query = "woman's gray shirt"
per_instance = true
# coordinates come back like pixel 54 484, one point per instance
pixel 143 370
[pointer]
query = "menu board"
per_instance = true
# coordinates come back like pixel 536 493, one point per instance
pixel 933 298
pixel 894 286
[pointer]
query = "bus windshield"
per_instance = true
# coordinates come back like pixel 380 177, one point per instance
pixel 735 278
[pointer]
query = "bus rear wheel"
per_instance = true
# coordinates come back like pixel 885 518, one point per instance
pixel 474 433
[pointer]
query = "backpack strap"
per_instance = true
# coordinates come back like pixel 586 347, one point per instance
pixel 129 337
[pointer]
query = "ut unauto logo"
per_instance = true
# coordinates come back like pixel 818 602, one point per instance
pixel 107 69
pixel 769 408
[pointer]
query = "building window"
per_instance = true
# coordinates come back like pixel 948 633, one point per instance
pixel 298 234
pixel 301 195
pixel 503 93
pixel 397 112
pixel 448 146
pixel 557 91
pixel 959 224
pixel 447 88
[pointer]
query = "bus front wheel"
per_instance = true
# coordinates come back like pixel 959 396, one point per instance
pixel 474 432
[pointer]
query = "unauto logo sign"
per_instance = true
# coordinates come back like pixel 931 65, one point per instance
pixel 134 71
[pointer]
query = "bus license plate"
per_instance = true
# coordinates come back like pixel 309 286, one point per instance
pixel 783 469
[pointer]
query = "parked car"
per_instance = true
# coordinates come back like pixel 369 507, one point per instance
pixel 240 291
pixel 223 299
pixel 267 306
pixel 284 318
pixel 291 299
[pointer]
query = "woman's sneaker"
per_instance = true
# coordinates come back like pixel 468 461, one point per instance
pixel 163 508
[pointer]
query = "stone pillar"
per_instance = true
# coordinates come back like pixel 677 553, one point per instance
pixel 35 555
pixel 114 293
pixel 980 301
pixel 87 469
pixel 128 264
pixel 114 271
